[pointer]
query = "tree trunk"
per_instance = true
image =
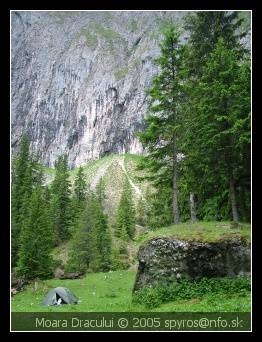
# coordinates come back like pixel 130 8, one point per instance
pixel 175 201
pixel 233 201
pixel 192 208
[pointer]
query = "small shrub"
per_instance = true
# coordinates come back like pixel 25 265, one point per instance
pixel 148 297
pixel 119 260
pixel 185 289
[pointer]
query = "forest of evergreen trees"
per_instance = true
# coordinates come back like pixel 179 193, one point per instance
pixel 197 141
pixel 45 216
pixel 198 135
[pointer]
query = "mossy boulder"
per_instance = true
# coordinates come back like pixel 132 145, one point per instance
pixel 163 259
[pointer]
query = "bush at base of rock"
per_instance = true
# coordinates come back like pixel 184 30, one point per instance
pixel 186 289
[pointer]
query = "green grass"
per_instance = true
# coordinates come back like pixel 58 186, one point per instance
pixel 209 303
pixel 133 157
pixel 131 163
pixel 91 167
pixel 112 292
pixel 200 231
pixel 97 292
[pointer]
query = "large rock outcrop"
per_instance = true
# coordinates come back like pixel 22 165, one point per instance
pixel 164 259
pixel 79 80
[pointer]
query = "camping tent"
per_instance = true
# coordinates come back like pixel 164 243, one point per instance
pixel 60 295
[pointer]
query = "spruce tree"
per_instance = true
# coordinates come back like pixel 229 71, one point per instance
pixel 160 211
pixel 161 135
pixel 120 226
pixel 206 28
pixel 91 246
pixel 82 244
pixel 142 211
pixel 61 202
pixel 80 186
pixel 125 216
pixel 221 103
pixel 36 239
pixel 204 180
pixel 101 260
pixel 26 173
pixel 21 190
pixel 101 191
pixel 78 201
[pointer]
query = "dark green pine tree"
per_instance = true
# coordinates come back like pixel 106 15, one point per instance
pixel 82 244
pixel 160 207
pixel 161 136
pixel 205 29
pixel 61 201
pixel 120 227
pixel 142 211
pixel 78 201
pixel 125 216
pixel 48 197
pixel 222 108
pixel 21 190
pixel 101 192
pixel 102 256
pixel 80 186
pixel 91 243
pixel 36 239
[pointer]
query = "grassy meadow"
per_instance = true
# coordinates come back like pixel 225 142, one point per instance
pixel 112 292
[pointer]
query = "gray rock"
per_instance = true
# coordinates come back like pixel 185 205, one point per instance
pixel 79 79
pixel 161 260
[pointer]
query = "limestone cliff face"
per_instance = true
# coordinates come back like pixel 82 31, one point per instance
pixel 79 79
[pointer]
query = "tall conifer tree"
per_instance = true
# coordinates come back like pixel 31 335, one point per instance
pixel 61 202
pixel 161 136
pixel 21 190
pixel 36 239
pixel 221 100
pixel 78 201
pixel 125 216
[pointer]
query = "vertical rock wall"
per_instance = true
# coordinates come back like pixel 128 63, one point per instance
pixel 79 80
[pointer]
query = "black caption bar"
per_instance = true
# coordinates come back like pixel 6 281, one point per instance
pixel 141 321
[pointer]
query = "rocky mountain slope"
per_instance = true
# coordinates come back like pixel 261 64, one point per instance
pixel 113 169
pixel 79 79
